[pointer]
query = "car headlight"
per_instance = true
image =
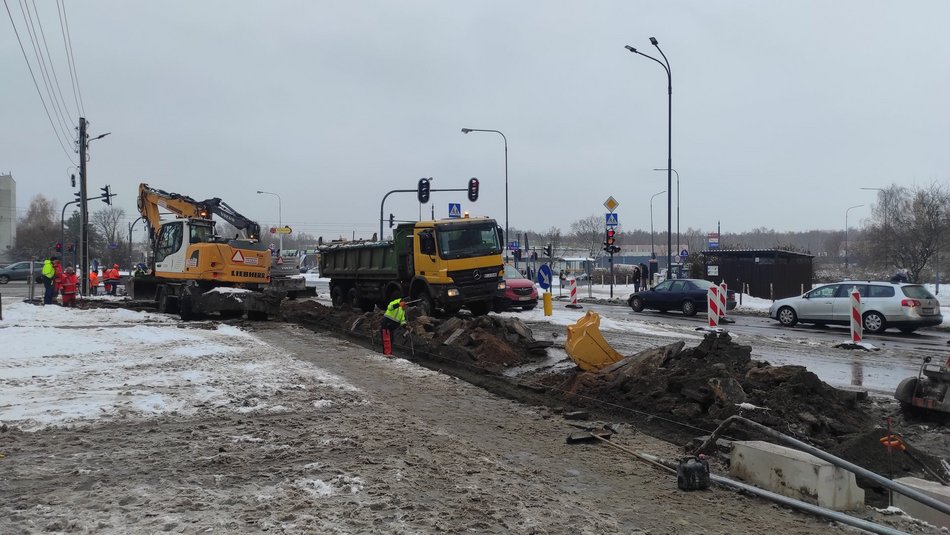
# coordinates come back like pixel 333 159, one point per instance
pixel 452 292
pixel 501 285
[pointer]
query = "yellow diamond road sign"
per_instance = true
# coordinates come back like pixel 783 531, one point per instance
pixel 611 203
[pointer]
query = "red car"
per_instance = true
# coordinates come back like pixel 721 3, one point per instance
pixel 518 292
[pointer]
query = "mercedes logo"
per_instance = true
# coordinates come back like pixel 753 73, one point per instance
pixel 476 274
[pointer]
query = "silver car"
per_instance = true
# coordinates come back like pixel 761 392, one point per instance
pixel 906 307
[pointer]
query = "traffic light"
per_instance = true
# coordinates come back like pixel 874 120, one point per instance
pixel 78 196
pixel 547 250
pixel 59 247
pixel 106 195
pixel 611 237
pixel 473 189
pixel 423 192
pixel 392 220
pixel 73 179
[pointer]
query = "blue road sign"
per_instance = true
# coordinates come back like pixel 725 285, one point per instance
pixel 612 220
pixel 545 276
pixel 513 245
pixel 455 209
pixel 684 253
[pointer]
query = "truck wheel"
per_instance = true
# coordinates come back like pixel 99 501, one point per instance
pixel 336 296
pixel 352 299
pixel 481 308
pixel 425 303
pixel 166 304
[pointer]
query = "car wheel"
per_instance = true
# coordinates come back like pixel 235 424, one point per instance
pixel 636 304
pixel 4 279
pixel 874 322
pixel 787 317
pixel 689 308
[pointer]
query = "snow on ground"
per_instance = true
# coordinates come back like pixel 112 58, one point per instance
pixel 65 366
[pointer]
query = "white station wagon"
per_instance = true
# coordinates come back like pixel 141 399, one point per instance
pixel 906 307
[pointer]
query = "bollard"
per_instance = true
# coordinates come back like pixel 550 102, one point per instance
pixel 712 305
pixel 572 284
pixel 723 295
pixel 548 307
pixel 857 326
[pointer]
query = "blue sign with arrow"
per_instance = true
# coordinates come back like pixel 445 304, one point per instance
pixel 545 276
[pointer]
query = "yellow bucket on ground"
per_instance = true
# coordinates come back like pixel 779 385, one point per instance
pixel 587 347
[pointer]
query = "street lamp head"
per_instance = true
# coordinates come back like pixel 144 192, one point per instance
pixel 630 48
pixel 466 130
pixel 653 41
pixel 259 191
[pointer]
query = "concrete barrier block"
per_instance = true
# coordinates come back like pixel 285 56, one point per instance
pixel 919 510
pixel 795 474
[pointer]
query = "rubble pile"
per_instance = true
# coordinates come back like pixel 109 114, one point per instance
pixel 491 342
pixel 703 386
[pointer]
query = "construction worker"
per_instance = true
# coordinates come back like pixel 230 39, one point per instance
pixel 112 279
pixel 93 282
pixel 69 283
pixel 393 318
pixel 49 273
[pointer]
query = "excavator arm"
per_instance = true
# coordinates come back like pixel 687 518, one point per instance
pixel 238 221
pixel 151 200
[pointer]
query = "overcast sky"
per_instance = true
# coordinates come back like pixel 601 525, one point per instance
pixel 793 106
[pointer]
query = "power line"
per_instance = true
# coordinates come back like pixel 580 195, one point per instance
pixel 69 63
pixel 41 62
pixel 52 67
pixel 36 85
pixel 72 61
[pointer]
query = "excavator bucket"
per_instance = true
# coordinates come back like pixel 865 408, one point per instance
pixel 587 347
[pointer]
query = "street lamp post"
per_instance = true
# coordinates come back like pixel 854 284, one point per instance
pixel 467 130
pixel 84 141
pixel 677 206
pixel 846 234
pixel 669 144
pixel 652 247
pixel 280 220
pixel 884 215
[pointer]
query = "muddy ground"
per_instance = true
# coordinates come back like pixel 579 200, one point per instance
pixel 389 448
pixel 675 392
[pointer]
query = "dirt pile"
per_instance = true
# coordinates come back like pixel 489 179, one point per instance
pixel 491 343
pixel 703 386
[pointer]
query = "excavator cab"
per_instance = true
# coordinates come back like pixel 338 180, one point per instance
pixel 587 347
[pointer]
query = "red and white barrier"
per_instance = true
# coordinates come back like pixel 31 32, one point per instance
pixel 712 306
pixel 723 294
pixel 857 326
pixel 572 284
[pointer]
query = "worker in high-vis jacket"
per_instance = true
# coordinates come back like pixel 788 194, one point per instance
pixel 393 318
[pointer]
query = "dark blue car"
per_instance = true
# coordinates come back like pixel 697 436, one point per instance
pixel 687 295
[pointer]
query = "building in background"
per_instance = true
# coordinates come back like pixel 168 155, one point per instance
pixel 7 216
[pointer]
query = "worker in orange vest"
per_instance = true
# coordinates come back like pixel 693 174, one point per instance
pixel 69 283
pixel 93 282
pixel 112 278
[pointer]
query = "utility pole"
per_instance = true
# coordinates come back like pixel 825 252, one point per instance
pixel 83 212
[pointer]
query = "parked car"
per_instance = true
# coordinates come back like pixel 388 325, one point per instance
pixel 906 307
pixel 686 295
pixel 20 271
pixel 518 292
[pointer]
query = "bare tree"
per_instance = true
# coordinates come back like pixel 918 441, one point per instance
pixel 106 223
pixel 553 237
pixel 917 226
pixel 38 231
pixel 588 233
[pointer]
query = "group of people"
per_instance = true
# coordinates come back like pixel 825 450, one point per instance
pixel 57 280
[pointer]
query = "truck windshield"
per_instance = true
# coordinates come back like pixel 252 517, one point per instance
pixel 466 241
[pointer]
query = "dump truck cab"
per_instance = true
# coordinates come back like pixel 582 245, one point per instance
pixel 452 262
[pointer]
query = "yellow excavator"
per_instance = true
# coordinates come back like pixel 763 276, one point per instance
pixel 196 271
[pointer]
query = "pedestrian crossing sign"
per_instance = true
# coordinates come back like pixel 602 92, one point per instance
pixel 455 209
